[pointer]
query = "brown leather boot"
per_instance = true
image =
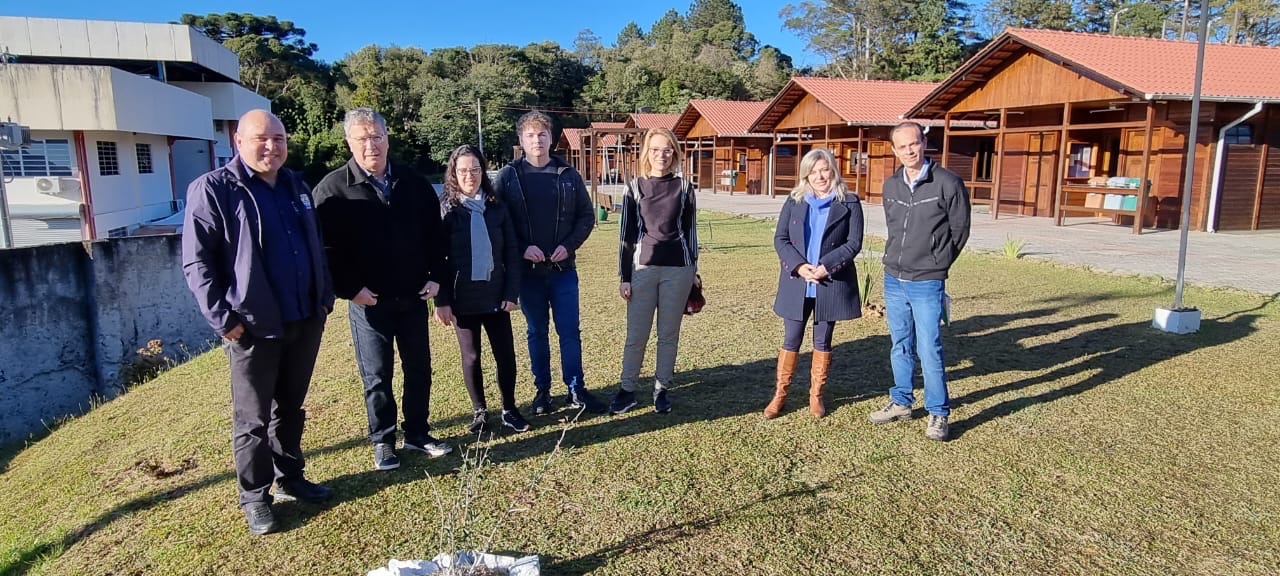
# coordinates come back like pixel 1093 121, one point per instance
pixel 818 381
pixel 786 365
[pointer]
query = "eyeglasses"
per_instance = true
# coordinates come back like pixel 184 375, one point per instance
pixel 471 171
pixel 662 151
pixel 373 139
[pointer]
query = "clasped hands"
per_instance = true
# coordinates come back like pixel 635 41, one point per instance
pixel 812 274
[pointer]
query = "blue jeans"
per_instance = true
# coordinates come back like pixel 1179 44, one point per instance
pixel 401 322
pixel 543 295
pixel 914 311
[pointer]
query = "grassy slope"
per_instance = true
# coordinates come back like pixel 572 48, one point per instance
pixel 1086 443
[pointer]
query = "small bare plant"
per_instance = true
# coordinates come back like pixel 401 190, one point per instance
pixel 147 363
pixel 1013 247
pixel 458 535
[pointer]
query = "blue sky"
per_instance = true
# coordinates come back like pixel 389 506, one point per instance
pixel 342 27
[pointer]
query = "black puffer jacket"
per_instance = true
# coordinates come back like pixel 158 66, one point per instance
pixel 458 290
pixel 928 227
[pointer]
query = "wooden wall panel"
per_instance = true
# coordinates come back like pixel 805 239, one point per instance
pixel 808 112
pixel 1031 80
pixel 701 129
pixel 1239 187
pixel 1269 210
pixel 1013 171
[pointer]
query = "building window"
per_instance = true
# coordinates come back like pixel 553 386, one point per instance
pixel 144 158
pixel 42 158
pixel 118 232
pixel 985 160
pixel 855 162
pixel 1081 165
pixel 1241 134
pixel 108 159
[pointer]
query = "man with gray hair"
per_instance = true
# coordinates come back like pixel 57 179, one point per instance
pixel 386 250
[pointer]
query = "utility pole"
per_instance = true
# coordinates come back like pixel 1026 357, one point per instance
pixel 1115 19
pixel 479 127
pixel 1186 7
pixel 13 136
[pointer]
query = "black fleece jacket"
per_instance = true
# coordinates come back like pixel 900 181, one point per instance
pixel 575 215
pixel 394 247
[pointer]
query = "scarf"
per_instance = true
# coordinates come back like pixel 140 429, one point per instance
pixel 481 249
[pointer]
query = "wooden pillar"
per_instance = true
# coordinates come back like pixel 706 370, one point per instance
pixel 1061 179
pixel 946 140
pixel 1262 170
pixel 588 152
pixel 857 176
pixel 1146 168
pixel 995 180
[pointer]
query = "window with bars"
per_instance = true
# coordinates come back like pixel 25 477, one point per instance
pixel 1240 134
pixel 144 158
pixel 108 159
pixel 48 157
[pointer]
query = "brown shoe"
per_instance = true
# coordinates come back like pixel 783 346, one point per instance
pixel 817 382
pixel 786 366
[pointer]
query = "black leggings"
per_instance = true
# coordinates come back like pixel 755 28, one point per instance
pixel 793 331
pixel 498 326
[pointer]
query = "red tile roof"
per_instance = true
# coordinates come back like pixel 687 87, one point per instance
pixel 647 121
pixel 857 102
pixel 1166 68
pixel 1148 68
pixel 726 117
pixel 573 137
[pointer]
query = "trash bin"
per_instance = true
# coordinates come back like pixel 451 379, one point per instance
pixel 602 213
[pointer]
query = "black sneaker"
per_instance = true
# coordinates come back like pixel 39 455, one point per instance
pixel 580 398
pixel 428 445
pixel 622 401
pixel 513 420
pixel 542 403
pixel 305 490
pixel 260 518
pixel 384 457
pixel 661 402
pixel 479 421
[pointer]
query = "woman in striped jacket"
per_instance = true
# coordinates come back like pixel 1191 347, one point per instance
pixel 658 262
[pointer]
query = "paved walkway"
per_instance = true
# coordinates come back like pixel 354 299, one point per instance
pixel 1249 261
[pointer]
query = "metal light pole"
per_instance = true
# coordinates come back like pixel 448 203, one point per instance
pixel 479 127
pixel 1185 224
pixel 6 234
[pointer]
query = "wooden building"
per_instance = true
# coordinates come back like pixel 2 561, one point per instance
pixel 602 153
pixel 1077 124
pixel 852 118
pixel 721 152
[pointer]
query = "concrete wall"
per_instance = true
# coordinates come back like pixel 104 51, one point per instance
pixel 72 317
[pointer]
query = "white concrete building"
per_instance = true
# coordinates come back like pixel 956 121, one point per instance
pixel 123 116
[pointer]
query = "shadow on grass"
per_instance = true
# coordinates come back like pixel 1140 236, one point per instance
pixel 658 538
pixel 27 559
pixel 1100 355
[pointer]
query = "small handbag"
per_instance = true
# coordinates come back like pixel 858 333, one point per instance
pixel 696 300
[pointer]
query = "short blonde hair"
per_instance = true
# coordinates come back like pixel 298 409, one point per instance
pixel 806 168
pixel 677 155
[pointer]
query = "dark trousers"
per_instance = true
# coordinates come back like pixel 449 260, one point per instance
pixel 401 322
pixel 269 380
pixel 793 331
pixel 498 326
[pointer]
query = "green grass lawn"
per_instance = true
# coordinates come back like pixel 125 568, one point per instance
pixel 1084 442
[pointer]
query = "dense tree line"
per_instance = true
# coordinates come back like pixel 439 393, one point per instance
pixel 435 100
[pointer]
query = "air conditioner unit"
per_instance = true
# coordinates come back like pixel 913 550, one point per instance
pixel 14 136
pixel 47 186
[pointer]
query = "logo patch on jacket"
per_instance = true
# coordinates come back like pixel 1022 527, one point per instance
pixel 306 201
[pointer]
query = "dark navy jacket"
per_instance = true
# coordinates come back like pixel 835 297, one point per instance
pixel 838 296
pixel 222 252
